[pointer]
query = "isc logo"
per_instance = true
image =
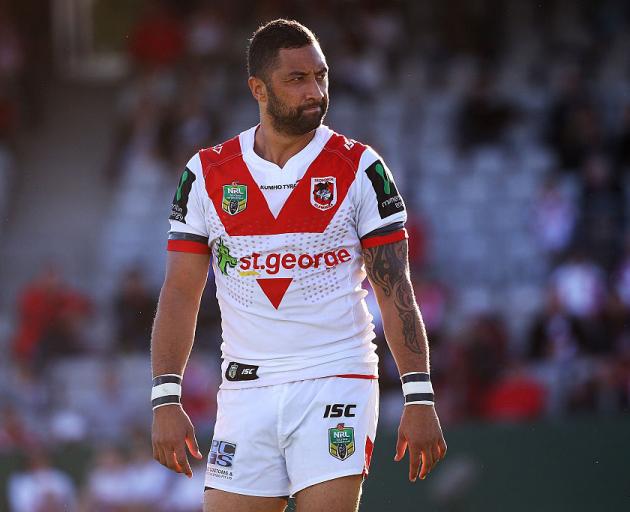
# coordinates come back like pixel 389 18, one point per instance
pixel 339 410
pixel 247 371
pixel 221 453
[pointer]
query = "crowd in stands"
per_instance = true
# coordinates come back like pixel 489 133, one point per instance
pixel 557 78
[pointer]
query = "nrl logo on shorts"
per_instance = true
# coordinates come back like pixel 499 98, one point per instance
pixel 341 441
pixel 234 198
pixel 324 192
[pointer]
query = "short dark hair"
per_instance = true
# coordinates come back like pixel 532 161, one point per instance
pixel 264 44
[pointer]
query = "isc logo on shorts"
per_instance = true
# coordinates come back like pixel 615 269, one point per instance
pixel 221 453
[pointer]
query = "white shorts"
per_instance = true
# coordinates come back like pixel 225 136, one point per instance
pixel 277 440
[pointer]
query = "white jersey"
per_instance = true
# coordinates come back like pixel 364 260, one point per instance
pixel 286 246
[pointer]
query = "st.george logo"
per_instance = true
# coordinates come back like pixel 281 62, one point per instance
pixel 324 192
pixel 234 198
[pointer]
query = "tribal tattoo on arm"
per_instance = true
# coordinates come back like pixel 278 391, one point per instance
pixel 388 269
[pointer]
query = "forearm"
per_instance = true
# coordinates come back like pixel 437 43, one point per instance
pixel 173 330
pixel 388 271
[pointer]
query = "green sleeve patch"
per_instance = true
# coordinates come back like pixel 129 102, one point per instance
pixel 389 200
pixel 179 209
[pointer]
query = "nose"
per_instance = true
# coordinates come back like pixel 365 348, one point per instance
pixel 315 91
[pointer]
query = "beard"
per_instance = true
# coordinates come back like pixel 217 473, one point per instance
pixel 294 121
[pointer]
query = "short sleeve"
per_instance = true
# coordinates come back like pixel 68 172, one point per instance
pixel 381 213
pixel 189 231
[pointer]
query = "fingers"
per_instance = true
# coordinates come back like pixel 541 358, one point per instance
pixel 172 457
pixel 159 453
pixel 181 461
pixel 435 453
pixel 427 463
pixel 414 462
pixel 401 446
pixel 193 445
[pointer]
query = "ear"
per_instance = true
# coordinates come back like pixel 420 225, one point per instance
pixel 258 89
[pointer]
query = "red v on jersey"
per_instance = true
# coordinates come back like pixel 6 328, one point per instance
pixel 301 213
pixel 275 288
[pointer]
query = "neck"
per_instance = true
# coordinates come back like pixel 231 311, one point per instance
pixel 278 147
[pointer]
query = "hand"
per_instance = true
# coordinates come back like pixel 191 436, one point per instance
pixel 420 431
pixel 172 431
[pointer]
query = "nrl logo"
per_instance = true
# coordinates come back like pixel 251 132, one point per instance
pixel 234 198
pixel 341 441
pixel 324 192
pixel 232 369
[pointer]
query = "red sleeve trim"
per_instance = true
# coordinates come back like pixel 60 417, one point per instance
pixel 187 246
pixel 356 376
pixel 389 238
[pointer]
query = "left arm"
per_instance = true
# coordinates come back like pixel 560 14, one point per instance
pixel 388 271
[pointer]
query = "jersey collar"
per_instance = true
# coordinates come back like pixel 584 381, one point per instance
pixel 301 158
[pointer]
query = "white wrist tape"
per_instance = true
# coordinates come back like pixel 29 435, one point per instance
pixel 167 390
pixel 417 388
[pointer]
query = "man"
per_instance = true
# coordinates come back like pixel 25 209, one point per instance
pixel 294 214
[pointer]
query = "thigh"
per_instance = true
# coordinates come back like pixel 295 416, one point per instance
pixel 331 431
pixel 338 495
pixel 245 458
pixel 221 501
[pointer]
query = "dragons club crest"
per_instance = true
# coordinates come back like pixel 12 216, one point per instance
pixel 324 192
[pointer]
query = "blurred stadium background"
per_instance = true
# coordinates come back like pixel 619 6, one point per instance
pixel 507 125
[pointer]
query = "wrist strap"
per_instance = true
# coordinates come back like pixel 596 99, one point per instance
pixel 417 388
pixel 166 390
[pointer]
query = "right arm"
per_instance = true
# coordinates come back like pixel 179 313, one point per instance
pixel 171 343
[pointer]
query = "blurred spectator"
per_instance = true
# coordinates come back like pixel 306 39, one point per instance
pixel 601 222
pixel 134 307
pixel 113 411
pixel 485 357
pixel 555 335
pixel 360 70
pixel 575 128
pixel 108 484
pixel 157 41
pixel 51 318
pixel 580 286
pixel 554 217
pixel 418 241
pixel 41 488
pixel 206 31
pixel 15 431
pixel 11 66
pixel 432 296
pixel 484 116
pixel 185 494
pixel 516 396
pixel 11 51
pixel 199 400
pixel 149 483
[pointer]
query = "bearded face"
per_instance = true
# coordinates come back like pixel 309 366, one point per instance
pixel 295 120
